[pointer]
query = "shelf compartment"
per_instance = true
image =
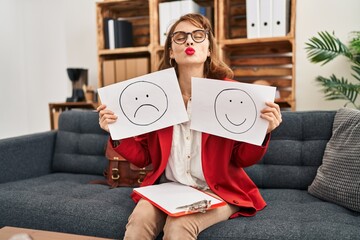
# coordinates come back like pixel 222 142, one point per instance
pixel 234 24
pixel 134 11
pixel 272 62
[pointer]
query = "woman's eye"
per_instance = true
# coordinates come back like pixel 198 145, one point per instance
pixel 180 38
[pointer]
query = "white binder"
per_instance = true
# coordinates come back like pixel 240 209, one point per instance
pixel 165 17
pixel 169 12
pixel 189 6
pixel 281 15
pixel 265 18
pixel 252 18
pixel 111 30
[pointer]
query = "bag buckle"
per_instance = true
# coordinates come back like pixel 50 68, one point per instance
pixel 142 175
pixel 115 174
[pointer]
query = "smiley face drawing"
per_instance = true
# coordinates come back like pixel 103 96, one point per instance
pixel 235 110
pixel 143 102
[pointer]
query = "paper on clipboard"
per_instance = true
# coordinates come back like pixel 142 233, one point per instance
pixel 172 197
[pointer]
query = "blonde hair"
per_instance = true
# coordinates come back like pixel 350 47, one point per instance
pixel 213 66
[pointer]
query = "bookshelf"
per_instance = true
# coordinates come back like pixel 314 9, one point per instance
pixel 271 59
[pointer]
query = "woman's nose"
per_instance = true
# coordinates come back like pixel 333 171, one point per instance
pixel 189 40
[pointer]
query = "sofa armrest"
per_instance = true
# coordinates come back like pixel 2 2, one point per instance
pixel 26 156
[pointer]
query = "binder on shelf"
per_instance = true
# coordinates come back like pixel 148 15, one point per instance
pixel 111 33
pixel 109 72
pixel 188 6
pixel 176 199
pixel 120 70
pixel 165 17
pixel 123 33
pixel 142 66
pixel 252 18
pixel 169 12
pixel 281 17
pixel 106 32
pixel 265 18
pixel 118 33
pixel 129 68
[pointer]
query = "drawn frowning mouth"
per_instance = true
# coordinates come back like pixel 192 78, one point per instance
pixel 233 122
pixel 145 105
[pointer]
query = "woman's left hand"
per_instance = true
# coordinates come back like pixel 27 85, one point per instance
pixel 272 114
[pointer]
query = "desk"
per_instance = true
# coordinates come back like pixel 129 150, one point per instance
pixel 55 110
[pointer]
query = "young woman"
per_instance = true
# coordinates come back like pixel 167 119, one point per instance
pixel 189 157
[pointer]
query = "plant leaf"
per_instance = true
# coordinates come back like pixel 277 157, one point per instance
pixel 338 89
pixel 325 48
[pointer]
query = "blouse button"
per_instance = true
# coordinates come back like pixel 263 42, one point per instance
pixel 216 187
pixel 236 202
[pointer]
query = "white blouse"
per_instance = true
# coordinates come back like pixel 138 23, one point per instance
pixel 184 165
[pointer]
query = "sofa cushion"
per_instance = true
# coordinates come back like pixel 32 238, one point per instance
pixel 80 143
pixel 66 202
pixel 290 214
pixel 338 178
pixel 295 151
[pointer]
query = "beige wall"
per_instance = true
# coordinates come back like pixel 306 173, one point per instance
pixel 313 16
pixel 40 39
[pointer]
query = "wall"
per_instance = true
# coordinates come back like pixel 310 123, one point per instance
pixel 41 38
pixel 342 17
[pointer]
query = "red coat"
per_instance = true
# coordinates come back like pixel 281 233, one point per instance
pixel 222 160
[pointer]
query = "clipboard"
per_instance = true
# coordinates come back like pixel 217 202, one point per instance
pixel 176 199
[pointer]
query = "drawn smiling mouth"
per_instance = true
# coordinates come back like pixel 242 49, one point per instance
pixel 145 105
pixel 234 123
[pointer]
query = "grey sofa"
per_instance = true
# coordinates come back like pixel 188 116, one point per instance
pixel 44 184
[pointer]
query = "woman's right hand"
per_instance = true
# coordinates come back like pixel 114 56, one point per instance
pixel 106 117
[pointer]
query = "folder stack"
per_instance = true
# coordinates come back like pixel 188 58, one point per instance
pixel 267 18
pixel 122 69
pixel 169 12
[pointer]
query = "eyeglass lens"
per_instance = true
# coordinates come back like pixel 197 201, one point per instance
pixel 198 36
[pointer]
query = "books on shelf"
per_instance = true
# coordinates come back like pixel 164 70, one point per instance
pixel 267 18
pixel 176 199
pixel 118 33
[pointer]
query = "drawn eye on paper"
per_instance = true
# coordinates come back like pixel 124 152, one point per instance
pixel 143 102
pixel 235 110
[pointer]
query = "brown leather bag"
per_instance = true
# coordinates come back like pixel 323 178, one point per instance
pixel 120 172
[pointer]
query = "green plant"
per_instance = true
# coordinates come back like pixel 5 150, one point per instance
pixel 325 48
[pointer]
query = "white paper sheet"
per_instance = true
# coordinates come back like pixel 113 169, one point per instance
pixel 144 104
pixel 230 109
pixel 169 196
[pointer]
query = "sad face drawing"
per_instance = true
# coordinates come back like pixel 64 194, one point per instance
pixel 143 103
pixel 235 110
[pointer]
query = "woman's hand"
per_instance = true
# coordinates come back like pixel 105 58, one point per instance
pixel 106 117
pixel 272 114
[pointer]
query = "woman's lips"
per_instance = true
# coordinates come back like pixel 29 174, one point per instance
pixel 189 51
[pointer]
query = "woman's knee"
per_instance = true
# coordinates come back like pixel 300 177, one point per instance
pixel 180 228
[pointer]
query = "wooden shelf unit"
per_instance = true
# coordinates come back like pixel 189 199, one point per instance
pixel 271 59
pixel 55 109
